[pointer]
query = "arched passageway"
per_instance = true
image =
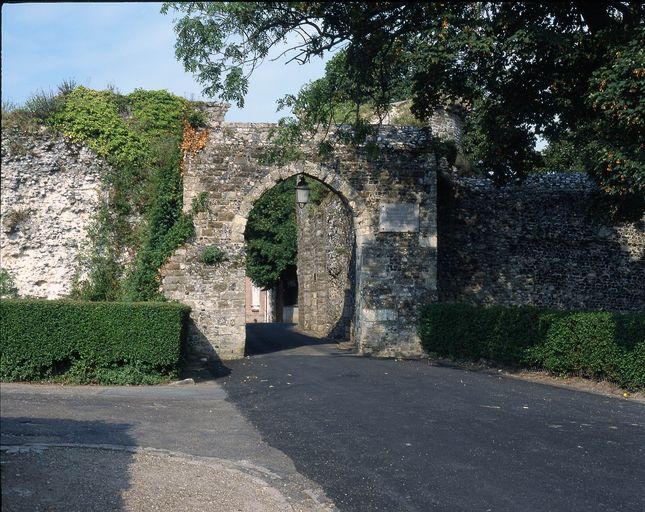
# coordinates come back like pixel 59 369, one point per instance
pixel 392 203
pixel 301 261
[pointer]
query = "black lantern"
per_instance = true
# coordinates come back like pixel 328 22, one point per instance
pixel 302 192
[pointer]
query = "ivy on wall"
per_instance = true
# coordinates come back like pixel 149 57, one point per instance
pixel 140 135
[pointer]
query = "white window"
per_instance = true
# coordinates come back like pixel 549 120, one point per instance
pixel 255 298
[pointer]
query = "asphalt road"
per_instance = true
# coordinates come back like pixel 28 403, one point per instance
pixel 394 435
pixel 367 434
pixel 99 431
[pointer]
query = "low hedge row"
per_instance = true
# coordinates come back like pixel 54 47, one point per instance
pixel 598 345
pixel 90 342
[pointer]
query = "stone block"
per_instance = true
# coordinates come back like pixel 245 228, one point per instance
pixel 379 315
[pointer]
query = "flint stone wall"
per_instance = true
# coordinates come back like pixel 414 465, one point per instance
pixel 326 268
pixel 537 244
pixel 50 192
pixel 395 272
pixel 531 244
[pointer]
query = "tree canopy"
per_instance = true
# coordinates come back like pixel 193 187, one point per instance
pixel 570 72
pixel 271 234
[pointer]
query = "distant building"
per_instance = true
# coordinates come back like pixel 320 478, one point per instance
pixel 278 304
pixel 259 303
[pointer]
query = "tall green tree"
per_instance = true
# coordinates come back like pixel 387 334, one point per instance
pixel 271 234
pixel 567 71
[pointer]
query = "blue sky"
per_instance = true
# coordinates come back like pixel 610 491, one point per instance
pixel 128 45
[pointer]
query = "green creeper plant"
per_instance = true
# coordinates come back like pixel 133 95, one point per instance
pixel 139 135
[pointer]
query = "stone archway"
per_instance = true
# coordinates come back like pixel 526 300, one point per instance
pixel 320 172
pixel 392 200
pixel 326 274
pixel 351 199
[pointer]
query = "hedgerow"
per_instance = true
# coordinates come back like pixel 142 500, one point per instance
pixel 598 345
pixel 90 342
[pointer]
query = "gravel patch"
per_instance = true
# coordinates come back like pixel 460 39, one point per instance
pixel 71 478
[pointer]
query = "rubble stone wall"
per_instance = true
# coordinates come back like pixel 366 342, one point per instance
pixel 50 192
pixel 395 271
pixel 537 244
pixel 326 268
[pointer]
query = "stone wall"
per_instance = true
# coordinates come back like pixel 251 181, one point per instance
pixel 326 268
pixel 537 244
pixel 49 194
pixel 395 271
pixel 446 123
pixel 531 244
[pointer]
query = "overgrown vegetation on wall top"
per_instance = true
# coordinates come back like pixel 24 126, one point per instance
pixel 140 135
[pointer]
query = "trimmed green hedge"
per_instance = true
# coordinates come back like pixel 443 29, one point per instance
pixel 90 342
pixel 598 345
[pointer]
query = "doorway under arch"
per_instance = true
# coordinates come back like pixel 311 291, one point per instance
pixel 300 261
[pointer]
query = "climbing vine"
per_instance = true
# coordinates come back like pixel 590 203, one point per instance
pixel 141 136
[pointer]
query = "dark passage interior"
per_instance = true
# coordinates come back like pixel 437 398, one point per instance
pixel 300 261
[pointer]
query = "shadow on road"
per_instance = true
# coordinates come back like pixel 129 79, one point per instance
pixel 38 477
pixel 262 339
pixel 279 337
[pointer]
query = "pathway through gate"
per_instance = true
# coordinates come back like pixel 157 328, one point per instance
pixel 391 197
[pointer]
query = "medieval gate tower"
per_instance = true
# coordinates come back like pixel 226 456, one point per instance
pixel 390 194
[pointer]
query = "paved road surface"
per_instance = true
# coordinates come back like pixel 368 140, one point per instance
pixel 371 435
pixel 405 435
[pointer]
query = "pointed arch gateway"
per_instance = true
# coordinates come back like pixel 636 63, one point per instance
pixel 325 272
pixel 392 203
pixel 319 171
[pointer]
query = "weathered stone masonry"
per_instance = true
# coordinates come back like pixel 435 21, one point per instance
pixel 530 244
pixel 537 244
pixel 395 272
pixel 50 193
pixel 326 268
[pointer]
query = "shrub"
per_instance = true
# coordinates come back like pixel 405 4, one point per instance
pixel 8 288
pixel 469 332
pixel 42 105
pixel 580 343
pixel 67 86
pixel 199 204
pixel 93 117
pixel 16 120
pixel 83 342
pixel 212 255
pixel 597 345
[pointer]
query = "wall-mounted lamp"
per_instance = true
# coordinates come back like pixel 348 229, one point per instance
pixel 302 192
